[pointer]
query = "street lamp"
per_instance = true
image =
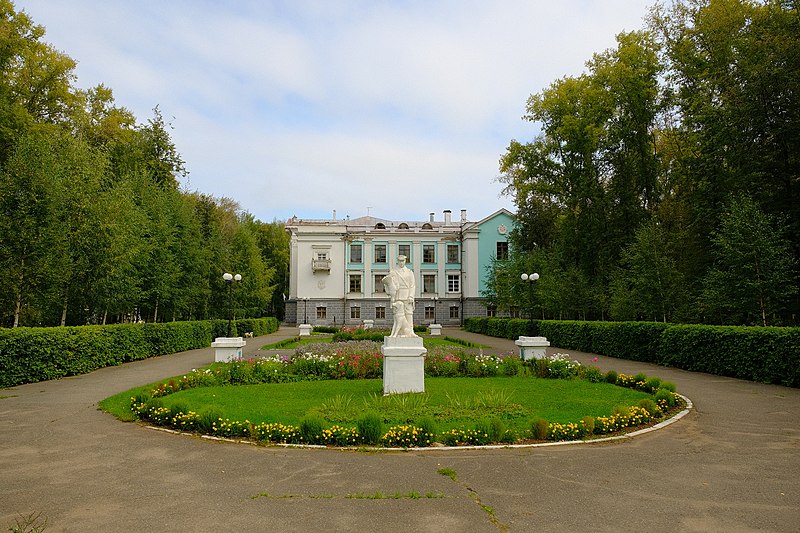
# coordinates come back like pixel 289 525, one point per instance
pixel 229 279
pixel 530 278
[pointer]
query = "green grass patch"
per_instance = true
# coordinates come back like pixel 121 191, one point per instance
pixel 451 402
pixel 295 342
pixel 427 341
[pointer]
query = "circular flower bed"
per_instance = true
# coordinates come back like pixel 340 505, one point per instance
pixel 363 360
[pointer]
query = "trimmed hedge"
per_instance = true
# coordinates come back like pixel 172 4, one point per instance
pixel 768 355
pixel 28 355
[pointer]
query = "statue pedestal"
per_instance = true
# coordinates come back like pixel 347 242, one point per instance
pixel 403 365
pixel 532 347
pixel 227 349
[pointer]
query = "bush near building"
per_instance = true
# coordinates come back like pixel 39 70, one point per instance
pixel 28 355
pixel 764 354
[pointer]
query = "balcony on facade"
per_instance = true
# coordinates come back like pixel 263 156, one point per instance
pixel 323 265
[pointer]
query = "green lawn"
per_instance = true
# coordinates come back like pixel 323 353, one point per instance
pixel 452 402
pixel 427 340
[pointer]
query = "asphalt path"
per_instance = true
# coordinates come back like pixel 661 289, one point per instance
pixel 732 464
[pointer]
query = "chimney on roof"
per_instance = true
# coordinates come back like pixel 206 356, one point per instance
pixel 447 217
pixel 463 215
pixel 334 214
pixel 431 217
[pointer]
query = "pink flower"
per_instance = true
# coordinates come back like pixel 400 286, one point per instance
pixel 594 360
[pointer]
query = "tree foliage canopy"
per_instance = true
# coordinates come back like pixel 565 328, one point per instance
pixel 94 224
pixel 636 183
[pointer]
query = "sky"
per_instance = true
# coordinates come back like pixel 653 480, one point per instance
pixel 394 109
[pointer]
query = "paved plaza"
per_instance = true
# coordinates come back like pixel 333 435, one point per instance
pixel 732 464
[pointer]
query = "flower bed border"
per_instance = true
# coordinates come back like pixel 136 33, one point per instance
pixel 589 429
pixel 251 442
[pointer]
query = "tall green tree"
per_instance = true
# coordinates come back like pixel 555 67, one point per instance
pixel 753 278
pixel 648 284
pixel 28 227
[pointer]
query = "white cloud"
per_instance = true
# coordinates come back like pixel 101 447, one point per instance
pixel 304 107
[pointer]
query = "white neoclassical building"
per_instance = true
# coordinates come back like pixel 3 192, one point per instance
pixel 336 267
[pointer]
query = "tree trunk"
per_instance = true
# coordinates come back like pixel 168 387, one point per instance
pixel 18 308
pixel 64 310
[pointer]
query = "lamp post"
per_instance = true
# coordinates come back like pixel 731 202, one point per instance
pixel 229 279
pixel 529 279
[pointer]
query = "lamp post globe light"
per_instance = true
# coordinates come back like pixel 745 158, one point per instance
pixel 530 278
pixel 229 279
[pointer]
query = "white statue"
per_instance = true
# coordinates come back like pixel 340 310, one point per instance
pixel 401 287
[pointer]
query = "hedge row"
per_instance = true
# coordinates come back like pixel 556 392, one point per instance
pixel 28 355
pixel 767 355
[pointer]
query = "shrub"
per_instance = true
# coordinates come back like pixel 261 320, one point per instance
pixel 765 354
pixel 665 398
pixel 591 374
pixel 428 425
pixel 650 406
pixel 325 329
pixel 207 419
pixel 588 424
pixel 541 368
pixel 311 427
pixel 652 384
pixel 667 385
pixel 561 367
pixel 493 429
pixel 611 377
pixel 28 355
pixel 539 429
pixel 370 428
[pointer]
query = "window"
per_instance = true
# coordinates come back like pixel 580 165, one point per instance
pixel 355 312
pixel 427 226
pixel 322 256
pixel 355 282
pixel 322 313
pixel 453 283
pixel 404 249
pixel 380 253
pixel 429 283
pixel 491 311
pixel 428 253
pixel 430 312
pixel 452 253
pixel 380 225
pixel 402 225
pixel 453 311
pixel 356 253
pixel 379 282
pixel 502 251
pixel 380 312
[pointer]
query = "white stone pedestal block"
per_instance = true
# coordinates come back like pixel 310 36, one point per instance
pixel 436 329
pixel 532 347
pixel 227 349
pixel 368 323
pixel 305 330
pixel 403 365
